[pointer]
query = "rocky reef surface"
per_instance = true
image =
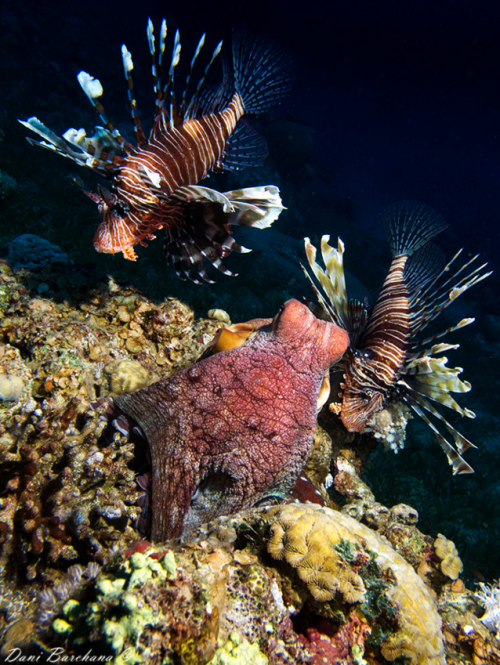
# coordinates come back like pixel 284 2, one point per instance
pixel 351 582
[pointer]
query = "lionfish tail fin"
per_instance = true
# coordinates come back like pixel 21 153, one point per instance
pixel 101 152
pixel 201 220
pixel 331 280
pixel 263 72
pixel 410 225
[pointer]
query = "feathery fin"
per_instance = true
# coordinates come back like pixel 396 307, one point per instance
pixel 410 225
pixel 263 72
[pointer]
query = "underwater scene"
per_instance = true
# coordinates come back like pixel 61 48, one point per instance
pixel 250 333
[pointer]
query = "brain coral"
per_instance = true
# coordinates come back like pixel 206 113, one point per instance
pixel 309 538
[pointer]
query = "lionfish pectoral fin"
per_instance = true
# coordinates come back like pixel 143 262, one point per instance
pixel 258 207
pixel 198 194
pixel 418 403
pixel 100 153
pixel 245 148
pixel 331 279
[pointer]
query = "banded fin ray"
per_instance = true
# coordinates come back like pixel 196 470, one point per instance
pixel 245 148
pixel 455 459
pixel 93 89
pixel 386 361
pixel 128 66
pixel 331 279
pixel 215 212
pixel 100 153
pixel 410 225
pixel 263 72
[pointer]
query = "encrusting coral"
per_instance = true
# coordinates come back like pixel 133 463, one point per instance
pixel 451 564
pixel 312 540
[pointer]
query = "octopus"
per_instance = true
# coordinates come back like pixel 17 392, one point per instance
pixel 234 429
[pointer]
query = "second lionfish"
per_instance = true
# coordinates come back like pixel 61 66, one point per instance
pixel 386 363
pixel 154 185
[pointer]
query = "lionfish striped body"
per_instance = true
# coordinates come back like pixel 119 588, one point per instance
pixel 154 185
pixel 385 362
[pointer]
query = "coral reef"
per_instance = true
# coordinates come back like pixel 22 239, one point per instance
pixel 326 547
pixel 32 252
pixel 70 501
pixel 69 493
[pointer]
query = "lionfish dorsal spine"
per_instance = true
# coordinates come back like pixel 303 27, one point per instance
pixel 93 89
pixel 128 66
pixel 192 107
pixel 157 63
pixel 201 43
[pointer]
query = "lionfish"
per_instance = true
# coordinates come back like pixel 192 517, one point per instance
pixel 386 363
pixel 154 185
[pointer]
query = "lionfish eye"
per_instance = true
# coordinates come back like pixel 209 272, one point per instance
pixel 121 209
pixel 367 354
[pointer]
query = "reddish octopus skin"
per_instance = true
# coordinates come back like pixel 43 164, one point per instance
pixel 235 428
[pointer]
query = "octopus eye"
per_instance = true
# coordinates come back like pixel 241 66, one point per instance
pixel 195 495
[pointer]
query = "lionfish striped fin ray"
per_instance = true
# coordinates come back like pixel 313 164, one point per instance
pixel 423 342
pixel 157 63
pixel 215 212
pixel 93 89
pixel 194 107
pixel 263 72
pixel 431 377
pixel 410 225
pixel 455 460
pixel 427 304
pixel 100 153
pixel 197 51
pixel 128 66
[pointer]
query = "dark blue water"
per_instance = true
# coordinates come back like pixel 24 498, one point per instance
pixel 392 100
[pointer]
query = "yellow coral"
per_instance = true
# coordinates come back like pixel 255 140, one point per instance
pixel 451 564
pixel 238 651
pixel 127 375
pixel 325 572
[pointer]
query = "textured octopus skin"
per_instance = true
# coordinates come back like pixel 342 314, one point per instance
pixel 235 429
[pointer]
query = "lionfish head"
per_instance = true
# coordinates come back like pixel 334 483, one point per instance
pixel 114 233
pixel 360 400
